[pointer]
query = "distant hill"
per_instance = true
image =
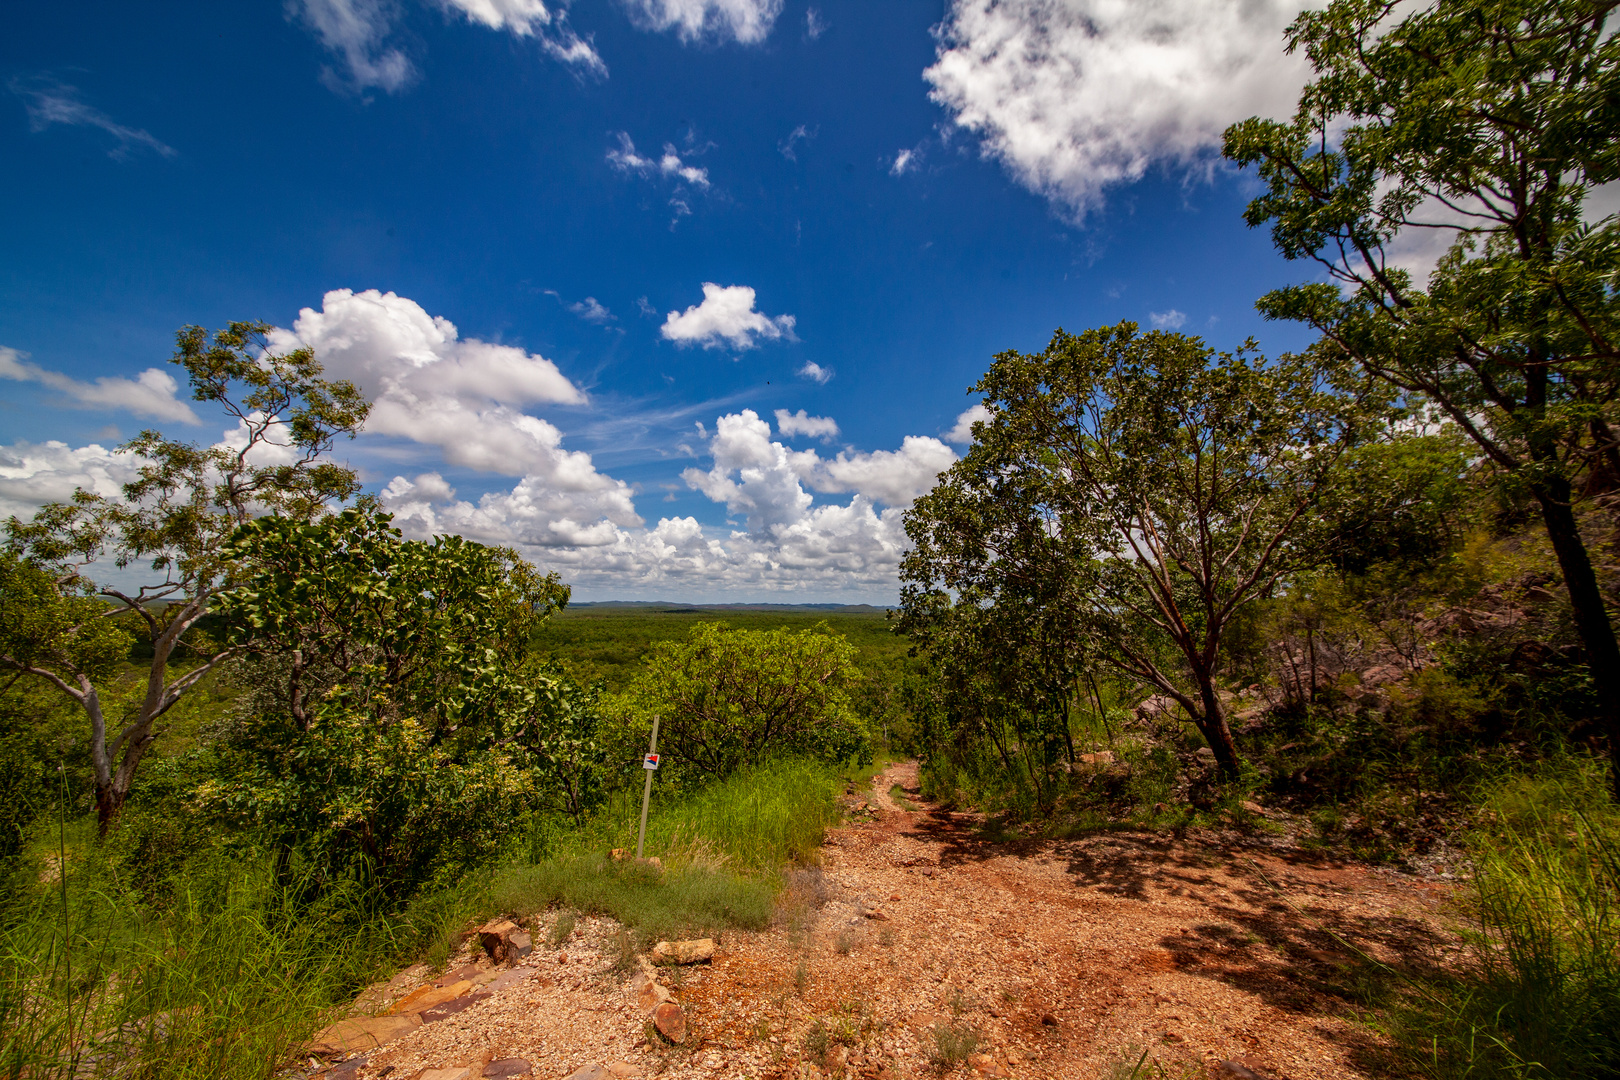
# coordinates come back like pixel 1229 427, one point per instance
pixel 675 608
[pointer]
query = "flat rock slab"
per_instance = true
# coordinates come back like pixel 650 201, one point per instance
pixel 446 1074
pixel 450 1008
pixel 344 1071
pixel 428 997
pixel 466 971
pixel 591 1072
pixel 362 1033
pixel 507 1067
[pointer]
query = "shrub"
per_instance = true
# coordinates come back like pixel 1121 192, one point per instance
pixel 728 698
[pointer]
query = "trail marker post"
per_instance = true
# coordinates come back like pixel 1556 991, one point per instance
pixel 649 763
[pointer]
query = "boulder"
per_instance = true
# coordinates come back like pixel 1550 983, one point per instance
pixel 591 1072
pixel 361 1033
pixel 1156 706
pixel 696 951
pixel 670 1021
pixel 505 941
pixel 986 1065
pixel 1205 753
pixel 346 1071
pixel 622 1069
pixel 498 1070
pixel 1252 807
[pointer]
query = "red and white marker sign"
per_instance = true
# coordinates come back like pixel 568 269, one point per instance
pixel 649 761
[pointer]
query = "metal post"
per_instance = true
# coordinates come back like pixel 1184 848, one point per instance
pixel 646 793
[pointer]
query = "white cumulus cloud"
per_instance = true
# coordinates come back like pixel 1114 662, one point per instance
pixel 891 477
pixel 962 432
pixel 151 393
pixel 726 317
pixel 465 397
pixel 1076 96
pixel 745 21
pixel 1168 320
pixel 813 370
pixel 33 474
pixel 802 423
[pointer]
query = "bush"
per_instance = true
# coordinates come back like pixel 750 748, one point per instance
pixel 728 698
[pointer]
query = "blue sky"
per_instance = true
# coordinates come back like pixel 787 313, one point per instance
pixel 582 256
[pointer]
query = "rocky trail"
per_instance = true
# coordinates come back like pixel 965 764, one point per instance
pixel 920 948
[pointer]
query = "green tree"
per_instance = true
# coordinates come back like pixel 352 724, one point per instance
pixel 1141 489
pixel 1484 127
pixel 395 718
pixel 175 516
pixel 1003 675
pixel 728 698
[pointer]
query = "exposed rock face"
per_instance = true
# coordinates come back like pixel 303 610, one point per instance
pixel 428 996
pixel 362 1033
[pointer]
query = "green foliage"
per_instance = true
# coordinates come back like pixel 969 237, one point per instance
pixel 1128 495
pixel 728 698
pixel 397 724
pixel 1491 125
pixel 691 900
pixel 229 977
pixel 177 515
pixel 608 644
pixel 59 631
pixel 1540 996
pixel 42 759
pixel 757 818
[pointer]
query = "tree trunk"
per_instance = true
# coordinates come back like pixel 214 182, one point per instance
pixel 1591 614
pixel 1214 728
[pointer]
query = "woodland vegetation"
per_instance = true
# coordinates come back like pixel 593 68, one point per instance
pixel 1371 586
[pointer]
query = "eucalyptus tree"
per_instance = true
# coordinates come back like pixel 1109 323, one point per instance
pixel 1480 130
pixel 63 615
pixel 1139 490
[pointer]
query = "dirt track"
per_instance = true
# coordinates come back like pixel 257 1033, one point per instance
pixel 1063 957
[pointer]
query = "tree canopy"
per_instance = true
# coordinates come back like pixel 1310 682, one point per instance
pixel 1128 494
pixel 1478 132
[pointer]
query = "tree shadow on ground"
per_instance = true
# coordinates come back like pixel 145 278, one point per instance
pixel 1307 933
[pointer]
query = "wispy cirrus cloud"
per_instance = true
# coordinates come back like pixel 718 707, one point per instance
pixel 49 102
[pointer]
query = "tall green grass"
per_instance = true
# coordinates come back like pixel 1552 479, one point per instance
pixel 1541 996
pixel 721 846
pixel 225 979
pixel 756 819
pixel 223 969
